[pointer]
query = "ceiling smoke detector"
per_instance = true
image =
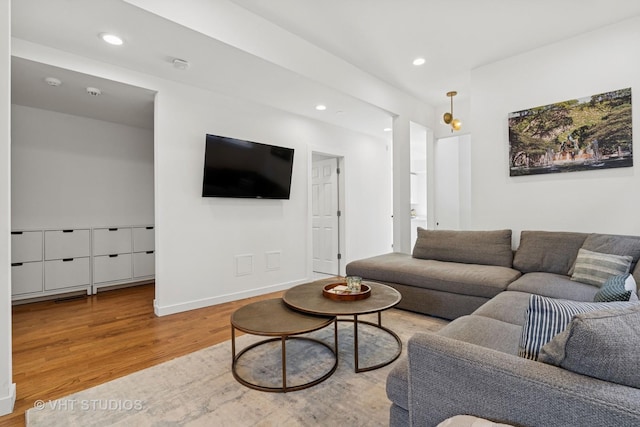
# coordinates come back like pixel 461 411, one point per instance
pixel 94 91
pixel 180 64
pixel 52 81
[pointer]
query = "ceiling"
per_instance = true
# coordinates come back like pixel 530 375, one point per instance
pixel 117 103
pixel 380 37
pixel 454 36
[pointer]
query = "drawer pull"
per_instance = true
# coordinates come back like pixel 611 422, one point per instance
pixel 149 252
pixel 16 264
pixel 149 228
pixel 113 229
pixel 113 255
pixel 67 259
pixel 16 232
pixel 67 231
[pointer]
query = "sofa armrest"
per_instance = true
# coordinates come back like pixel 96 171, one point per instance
pixel 448 377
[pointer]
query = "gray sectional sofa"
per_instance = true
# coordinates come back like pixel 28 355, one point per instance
pixel 472 366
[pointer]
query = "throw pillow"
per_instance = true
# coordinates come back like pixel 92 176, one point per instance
pixel 617 288
pixel 615 245
pixel 602 344
pixel 547 317
pixel 594 268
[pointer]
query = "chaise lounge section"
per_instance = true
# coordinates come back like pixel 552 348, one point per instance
pixel 449 274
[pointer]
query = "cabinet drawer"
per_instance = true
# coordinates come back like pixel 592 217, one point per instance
pixel 111 268
pixel 107 241
pixel 66 273
pixel 26 246
pixel 26 278
pixel 60 244
pixel 144 264
pixel 143 239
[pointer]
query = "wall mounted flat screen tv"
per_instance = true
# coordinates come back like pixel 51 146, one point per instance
pixel 246 169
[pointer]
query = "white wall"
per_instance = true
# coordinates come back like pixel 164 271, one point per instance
pixel 401 184
pixel 197 239
pixel 464 179
pixel 70 171
pixel 7 388
pixel 591 201
pixel 368 207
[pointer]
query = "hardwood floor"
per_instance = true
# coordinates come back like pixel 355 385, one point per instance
pixel 60 348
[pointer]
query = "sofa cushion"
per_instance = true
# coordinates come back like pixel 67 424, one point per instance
pixel 594 268
pixel 485 332
pixel 508 306
pixel 547 251
pixel 547 317
pixel 466 279
pixel 470 247
pixel 617 288
pixel 601 344
pixel 553 286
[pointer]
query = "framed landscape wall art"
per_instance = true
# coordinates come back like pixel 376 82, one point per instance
pixel 590 133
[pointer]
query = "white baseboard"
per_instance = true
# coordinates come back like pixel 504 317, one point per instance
pixel 207 302
pixel 7 403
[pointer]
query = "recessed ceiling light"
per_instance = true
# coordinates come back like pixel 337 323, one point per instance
pixel 321 107
pixel 419 61
pixel 387 129
pixel 111 39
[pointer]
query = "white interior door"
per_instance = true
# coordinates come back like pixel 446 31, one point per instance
pixel 447 185
pixel 452 182
pixel 324 191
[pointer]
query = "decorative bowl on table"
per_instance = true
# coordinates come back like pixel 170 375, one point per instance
pixel 339 291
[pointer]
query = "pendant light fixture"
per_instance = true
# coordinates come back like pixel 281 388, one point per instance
pixel 448 117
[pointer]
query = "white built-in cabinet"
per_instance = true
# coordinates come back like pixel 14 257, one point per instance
pixel 50 262
pixel 144 258
pixel 27 268
pixel 67 259
pixel 111 255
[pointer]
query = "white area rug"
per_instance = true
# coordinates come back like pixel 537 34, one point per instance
pixel 199 389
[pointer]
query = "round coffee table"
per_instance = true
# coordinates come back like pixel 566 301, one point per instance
pixel 308 298
pixel 273 318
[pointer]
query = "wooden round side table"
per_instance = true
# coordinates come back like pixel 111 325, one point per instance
pixel 273 318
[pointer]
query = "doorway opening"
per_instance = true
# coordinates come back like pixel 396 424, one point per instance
pixel 418 135
pixel 82 213
pixel 327 219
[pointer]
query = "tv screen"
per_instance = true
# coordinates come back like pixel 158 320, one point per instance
pixel 246 169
